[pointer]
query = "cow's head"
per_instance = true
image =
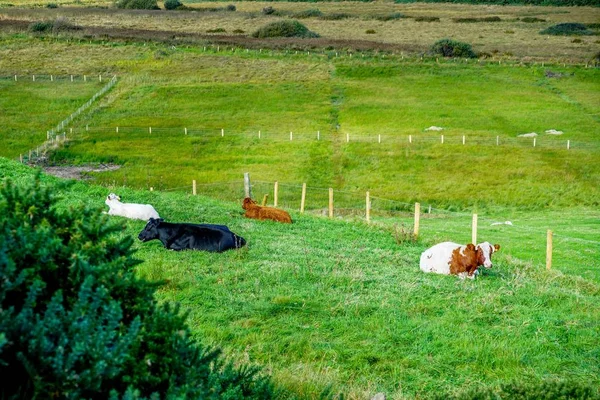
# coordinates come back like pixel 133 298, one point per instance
pixel 248 202
pixel 112 197
pixel 150 230
pixel 484 253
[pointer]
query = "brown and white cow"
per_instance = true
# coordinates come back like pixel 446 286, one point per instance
pixel 455 259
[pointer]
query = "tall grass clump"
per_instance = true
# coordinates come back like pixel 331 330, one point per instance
pixel 567 29
pixel 55 26
pixel 310 13
pixel 138 4
pixel 285 28
pixel 390 17
pixel 77 322
pixel 453 48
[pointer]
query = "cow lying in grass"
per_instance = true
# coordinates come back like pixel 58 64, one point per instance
pixel 462 260
pixel 129 210
pixel 255 211
pixel 214 238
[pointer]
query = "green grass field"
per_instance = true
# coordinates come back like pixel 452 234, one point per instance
pixel 342 305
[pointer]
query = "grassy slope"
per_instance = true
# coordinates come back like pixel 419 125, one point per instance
pixel 330 302
pixel 29 109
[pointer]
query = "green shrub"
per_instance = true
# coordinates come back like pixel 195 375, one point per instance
pixel 76 322
pixel 532 19
pixel 311 13
pixel 285 28
pixel 390 17
pixel 453 48
pixel 238 31
pixel 51 5
pixel 544 390
pixel 427 19
pixel 230 7
pixel 216 30
pixel 471 19
pixel 172 4
pixel 41 26
pixel 137 4
pixel 567 29
pixel 55 26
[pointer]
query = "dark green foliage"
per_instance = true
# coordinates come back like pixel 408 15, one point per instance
pixel 230 7
pixel 310 13
pixel 452 48
pixel 172 4
pixel 51 5
pixel 545 390
pixel 55 26
pixel 427 19
pixel 77 323
pixel 563 3
pixel 216 30
pixel 471 20
pixel 285 28
pixel 137 4
pixel 567 29
pixel 532 19
pixel 390 17
pixel 370 31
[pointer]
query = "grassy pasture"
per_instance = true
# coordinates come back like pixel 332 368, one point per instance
pixel 509 38
pixel 29 109
pixel 323 303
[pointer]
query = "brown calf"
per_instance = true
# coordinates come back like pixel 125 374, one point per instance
pixel 255 211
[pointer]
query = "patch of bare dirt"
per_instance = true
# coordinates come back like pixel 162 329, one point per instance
pixel 79 172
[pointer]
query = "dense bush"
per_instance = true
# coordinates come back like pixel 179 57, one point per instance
pixel 427 19
pixel 76 322
pixel 335 16
pixel 138 4
pixel 532 19
pixel 51 5
pixel 471 19
pixel 508 2
pixel 285 28
pixel 172 4
pixel 453 48
pixel 268 10
pixel 567 29
pixel 545 390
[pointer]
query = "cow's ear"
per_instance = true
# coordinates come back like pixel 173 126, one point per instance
pixel 471 246
pixel 496 247
pixel 161 220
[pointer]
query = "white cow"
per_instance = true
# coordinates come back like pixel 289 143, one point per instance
pixel 130 210
pixel 456 259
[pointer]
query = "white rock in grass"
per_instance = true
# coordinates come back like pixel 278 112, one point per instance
pixel 530 134
pixel 434 128
pixel 502 223
pixel 379 396
pixel 554 132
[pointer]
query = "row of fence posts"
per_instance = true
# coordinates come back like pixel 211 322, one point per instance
pixel 52 78
pixel 410 137
pixel 417 212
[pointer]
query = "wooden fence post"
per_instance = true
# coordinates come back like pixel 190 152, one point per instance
pixel 194 187
pixel 568 144
pixel 264 201
pixel 534 142
pixel 151 189
pixel 247 187
pixel 497 140
pixel 185 131
pixel 368 208
pixel 379 138
pixel 318 135
pixel 417 219
pixel 474 230
pixel 291 136
pixel 330 202
pixel 442 139
pixel 549 250
pixel 409 138
pixel 275 193
pixel 222 132
pixel 303 198
pixel 464 139
pixel 150 130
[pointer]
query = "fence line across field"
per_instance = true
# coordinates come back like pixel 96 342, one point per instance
pixel 543 141
pixel 329 208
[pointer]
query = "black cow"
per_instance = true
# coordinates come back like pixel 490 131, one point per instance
pixel 191 236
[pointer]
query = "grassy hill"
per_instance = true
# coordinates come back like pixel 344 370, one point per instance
pixel 324 302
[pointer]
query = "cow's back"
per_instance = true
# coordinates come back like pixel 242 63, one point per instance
pixel 437 258
pixel 215 238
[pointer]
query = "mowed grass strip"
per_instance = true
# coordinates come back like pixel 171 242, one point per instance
pixel 323 302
